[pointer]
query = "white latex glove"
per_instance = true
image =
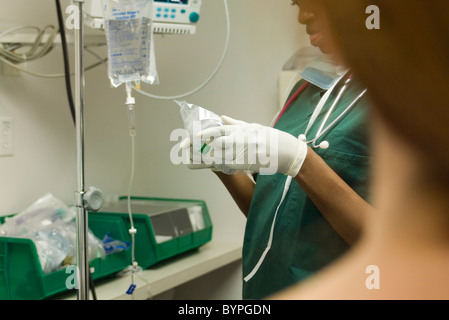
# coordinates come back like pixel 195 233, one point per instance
pixel 197 159
pixel 252 147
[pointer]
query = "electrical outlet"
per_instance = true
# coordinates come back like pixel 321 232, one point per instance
pixel 6 136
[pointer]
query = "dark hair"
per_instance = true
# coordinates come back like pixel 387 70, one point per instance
pixel 404 64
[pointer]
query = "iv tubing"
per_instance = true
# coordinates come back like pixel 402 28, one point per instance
pixel 130 103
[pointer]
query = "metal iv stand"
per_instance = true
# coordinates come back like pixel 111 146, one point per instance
pixel 93 198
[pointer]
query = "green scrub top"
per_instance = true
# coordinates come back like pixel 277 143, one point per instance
pixel 303 240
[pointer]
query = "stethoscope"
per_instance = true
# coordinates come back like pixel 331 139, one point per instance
pixel 322 145
pixel 323 130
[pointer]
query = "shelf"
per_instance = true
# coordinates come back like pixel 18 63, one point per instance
pixel 168 274
pixel 28 38
pixel 96 37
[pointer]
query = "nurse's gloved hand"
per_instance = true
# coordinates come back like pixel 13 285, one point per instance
pixel 252 147
pixel 197 159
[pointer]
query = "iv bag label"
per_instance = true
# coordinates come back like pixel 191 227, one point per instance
pixel 128 26
pixel 128 50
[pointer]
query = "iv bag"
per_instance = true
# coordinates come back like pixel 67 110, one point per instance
pixel 129 36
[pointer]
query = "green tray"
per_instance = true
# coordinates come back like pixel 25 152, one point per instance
pixel 22 278
pixel 147 250
pixel 21 275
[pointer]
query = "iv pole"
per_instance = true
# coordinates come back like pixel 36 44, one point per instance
pixel 92 199
pixel 82 256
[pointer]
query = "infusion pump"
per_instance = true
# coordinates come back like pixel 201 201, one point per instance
pixel 169 16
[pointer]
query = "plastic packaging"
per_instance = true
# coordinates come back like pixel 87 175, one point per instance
pixel 129 35
pixel 112 245
pixel 52 248
pixel 197 119
pixel 49 223
pixel 96 249
pixel 46 212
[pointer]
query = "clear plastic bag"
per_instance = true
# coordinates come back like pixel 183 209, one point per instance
pixel 196 119
pixel 46 212
pixel 96 249
pixel 129 35
pixel 52 248
pixel 50 224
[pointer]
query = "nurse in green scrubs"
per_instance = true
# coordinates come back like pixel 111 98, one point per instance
pixel 304 240
pixel 293 232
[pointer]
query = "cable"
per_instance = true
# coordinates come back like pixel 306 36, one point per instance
pixel 65 56
pixel 9 57
pixel 36 51
pixel 220 63
pixel 92 286
pixel 4 33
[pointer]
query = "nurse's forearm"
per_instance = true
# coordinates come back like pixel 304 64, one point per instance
pixel 241 188
pixel 342 207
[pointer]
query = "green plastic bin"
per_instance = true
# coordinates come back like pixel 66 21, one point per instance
pixel 21 275
pixel 149 215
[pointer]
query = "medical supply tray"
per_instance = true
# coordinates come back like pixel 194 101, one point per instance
pixel 22 277
pixel 164 229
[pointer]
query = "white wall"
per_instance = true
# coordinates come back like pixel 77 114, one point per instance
pixel 264 34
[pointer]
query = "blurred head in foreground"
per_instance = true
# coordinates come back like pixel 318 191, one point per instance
pixel 404 253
